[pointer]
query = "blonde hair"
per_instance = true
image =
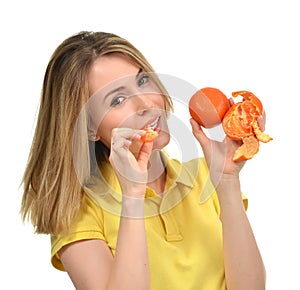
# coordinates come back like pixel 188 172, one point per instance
pixel 53 192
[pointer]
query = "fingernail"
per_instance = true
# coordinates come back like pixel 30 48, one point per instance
pixel 127 142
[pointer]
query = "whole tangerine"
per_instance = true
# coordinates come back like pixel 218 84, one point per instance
pixel 208 107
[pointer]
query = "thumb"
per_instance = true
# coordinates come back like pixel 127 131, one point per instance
pixel 144 154
pixel 199 134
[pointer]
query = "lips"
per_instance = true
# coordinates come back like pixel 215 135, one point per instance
pixel 153 123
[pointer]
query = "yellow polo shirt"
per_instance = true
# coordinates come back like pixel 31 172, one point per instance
pixel 184 232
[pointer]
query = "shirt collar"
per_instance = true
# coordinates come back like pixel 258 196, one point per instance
pixel 177 172
pixel 107 182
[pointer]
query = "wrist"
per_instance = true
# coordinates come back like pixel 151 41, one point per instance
pixel 229 191
pixel 133 190
pixel 228 181
pixel 132 207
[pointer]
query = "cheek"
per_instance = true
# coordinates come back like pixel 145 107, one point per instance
pixel 104 135
pixel 161 101
pixel 163 138
pixel 161 141
pixel 113 120
pixel 105 129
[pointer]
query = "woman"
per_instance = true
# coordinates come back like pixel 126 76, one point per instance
pixel 121 213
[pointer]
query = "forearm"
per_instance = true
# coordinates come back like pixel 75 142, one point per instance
pixel 130 269
pixel 244 267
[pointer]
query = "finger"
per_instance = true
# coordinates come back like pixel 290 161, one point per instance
pixel 231 102
pixel 261 120
pixel 127 133
pixel 144 154
pixel 122 137
pixel 199 134
pixel 120 143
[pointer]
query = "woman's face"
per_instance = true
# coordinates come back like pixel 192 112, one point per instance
pixel 125 96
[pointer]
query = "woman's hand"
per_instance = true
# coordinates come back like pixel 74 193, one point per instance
pixel 131 170
pixel 218 155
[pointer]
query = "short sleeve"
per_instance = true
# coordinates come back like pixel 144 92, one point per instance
pixel 88 225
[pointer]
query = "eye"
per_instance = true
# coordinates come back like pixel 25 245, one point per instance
pixel 143 80
pixel 117 100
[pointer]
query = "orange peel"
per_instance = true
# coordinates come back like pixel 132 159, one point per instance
pixel 241 123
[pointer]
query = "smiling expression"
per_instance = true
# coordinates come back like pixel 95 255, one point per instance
pixel 123 95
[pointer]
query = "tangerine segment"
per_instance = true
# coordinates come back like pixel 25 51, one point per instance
pixel 237 122
pixel 247 150
pixel 149 136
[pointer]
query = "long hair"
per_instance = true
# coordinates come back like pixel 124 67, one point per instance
pixel 52 182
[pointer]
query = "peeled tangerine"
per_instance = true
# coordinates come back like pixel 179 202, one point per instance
pixel 149 136
pixel 241 123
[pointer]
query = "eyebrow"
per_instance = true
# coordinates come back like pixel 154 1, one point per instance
pixel 113 91
pixel 121 87
pixel 138 73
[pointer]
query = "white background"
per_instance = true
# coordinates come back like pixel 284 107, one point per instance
pixel 232 45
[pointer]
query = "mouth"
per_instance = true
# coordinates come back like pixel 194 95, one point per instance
pixel 154 124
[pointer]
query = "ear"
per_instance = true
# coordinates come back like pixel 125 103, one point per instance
pixel 97 138
pixel 92 135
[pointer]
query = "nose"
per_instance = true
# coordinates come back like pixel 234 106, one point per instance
pixel 143 103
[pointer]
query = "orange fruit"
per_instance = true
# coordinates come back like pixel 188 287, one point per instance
pixel 247 150
pixel 149 136
pixel 241 123
pixel 208 107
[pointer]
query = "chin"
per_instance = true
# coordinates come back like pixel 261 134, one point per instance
pixel 161 141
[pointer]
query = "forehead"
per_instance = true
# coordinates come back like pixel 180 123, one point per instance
pixel 109 68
